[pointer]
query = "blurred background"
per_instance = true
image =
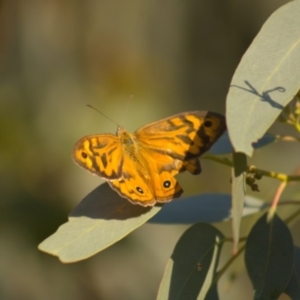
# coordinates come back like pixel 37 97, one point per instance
pixel 58 56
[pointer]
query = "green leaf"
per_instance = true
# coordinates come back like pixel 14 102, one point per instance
pixel 238 189
pixel 191 269
pixel 269 257
pixel 266 79
pixel 101 219
pixel 293 288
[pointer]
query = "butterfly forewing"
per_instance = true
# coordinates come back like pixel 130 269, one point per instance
pixel 184 136
pixel 100 154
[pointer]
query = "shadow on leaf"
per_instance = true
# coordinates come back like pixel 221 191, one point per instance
pixel 264 96
pixel 104 203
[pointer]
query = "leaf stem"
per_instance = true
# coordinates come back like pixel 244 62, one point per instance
pixel 287 138
pixel 275 201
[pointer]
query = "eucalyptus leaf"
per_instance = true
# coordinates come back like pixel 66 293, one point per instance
pixel 266 79
pixel 191 269
pixel 269 257
pixel 101 219
pixel 293 287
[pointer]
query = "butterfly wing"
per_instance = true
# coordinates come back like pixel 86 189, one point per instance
pixel 174 144
pixel 134 184
pixel 142 184
pixel 100 154
pixel 104 156
pixel 184 136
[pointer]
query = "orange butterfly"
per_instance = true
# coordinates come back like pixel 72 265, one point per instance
pixel 141 166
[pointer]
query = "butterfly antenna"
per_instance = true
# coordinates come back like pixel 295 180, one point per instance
pixel 104 115
pixel 126 108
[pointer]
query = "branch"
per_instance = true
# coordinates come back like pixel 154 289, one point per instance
pixel 252 169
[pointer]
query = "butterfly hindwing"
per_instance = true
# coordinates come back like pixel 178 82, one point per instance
pixel 135 190
pixel 149 185
pixel 134 183
pixel 162 170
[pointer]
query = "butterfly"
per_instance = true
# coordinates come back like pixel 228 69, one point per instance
pixel 141 166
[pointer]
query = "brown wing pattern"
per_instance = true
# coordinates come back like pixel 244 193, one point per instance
pixel 183 137
pixel 147 182
pixel 134 182
pixel 162 169
pixel 100 154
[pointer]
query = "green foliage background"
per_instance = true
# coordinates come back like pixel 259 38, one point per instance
pixel 57 56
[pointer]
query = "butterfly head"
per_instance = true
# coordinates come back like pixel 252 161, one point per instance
pixel 119 131
pixel 126 138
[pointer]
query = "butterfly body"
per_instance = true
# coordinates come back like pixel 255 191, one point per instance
pixel 141 166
